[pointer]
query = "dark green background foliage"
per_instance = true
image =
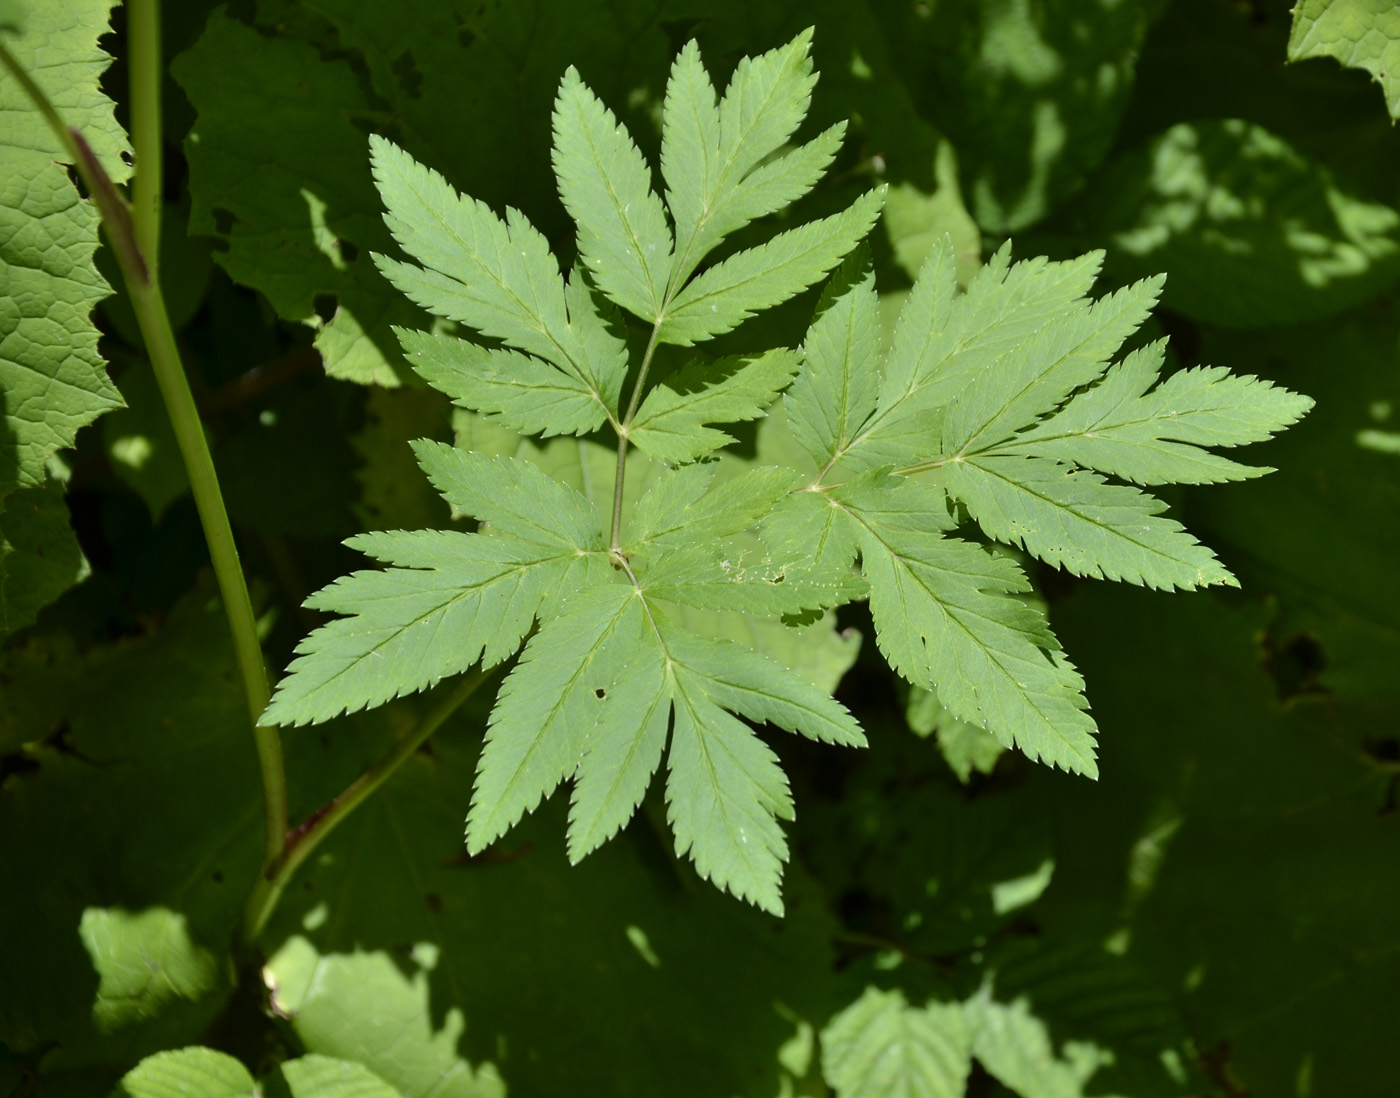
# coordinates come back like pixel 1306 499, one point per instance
pixel 1219 914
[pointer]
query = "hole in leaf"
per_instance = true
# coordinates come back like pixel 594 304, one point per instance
pixel 223 220
pixel 127 158
pixel 600 693
pixel 77 180
pixel 348 251
pixel 326 306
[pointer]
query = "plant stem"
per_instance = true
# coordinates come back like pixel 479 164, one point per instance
pixel 147 186
pixel 622 434
pixel 314 830
pixel 149 305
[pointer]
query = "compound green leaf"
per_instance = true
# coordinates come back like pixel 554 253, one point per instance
pixel 685 503
pixel 1119 428
pixel 496 276
pixel 670 424
pixel 716 162
pixel 836 391
pixel 52 379
pixel 514 497
pixel 1074 519
pixel 1361 34
pixel 881 1047
pixel 947 619
pixel 731 291
pixel 450 600
pixel 518 391
pixel 550 709
pixel 188 1073
pixel 605 184
pixel 713 576
pixel 1044 369
pixel 724 796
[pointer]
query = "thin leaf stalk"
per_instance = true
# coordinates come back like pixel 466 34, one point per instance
pixel 148 303
pixel 303 840
pixel 632 405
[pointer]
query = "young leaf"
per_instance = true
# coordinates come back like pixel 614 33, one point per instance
pixel 670 423
pixel 758 278
pixel 605 185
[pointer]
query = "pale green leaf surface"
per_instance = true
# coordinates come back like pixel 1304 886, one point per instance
pixel 758 688
pixel 496 275
pixel 1019 387
pixel 723 296
pixel 711 157
pixel 624 747
pixel 52 379
pixel 836 391
pixel 39 555
pixel 605 184
pixel 1073 519
pixel 819 652
pixel 725 794
pixel 720 577
pixel 881 1047
pixel 515 497
pixel 684 503
pixel 947 618
pixel 1120 428
pixel 516 390
pixel 188 1073
pixel 1015 1047
pixel 324 1077
pixel 547 708
pixel 1361 34
pixel 451 599
pixel 670 424
pixel 944 340
pixel 147 962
